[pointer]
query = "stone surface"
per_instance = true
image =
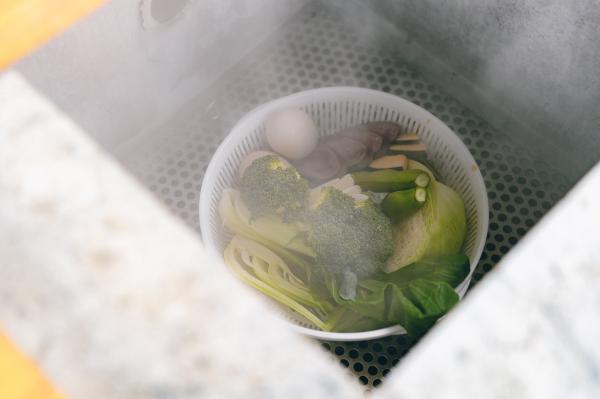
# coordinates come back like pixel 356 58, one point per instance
pixel 116 299
pixel 530 330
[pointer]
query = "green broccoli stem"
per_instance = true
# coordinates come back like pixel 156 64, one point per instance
pixel 390 180
pixel 399 205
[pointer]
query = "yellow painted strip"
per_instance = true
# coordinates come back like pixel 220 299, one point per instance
pixel 25 24
pixel 20 378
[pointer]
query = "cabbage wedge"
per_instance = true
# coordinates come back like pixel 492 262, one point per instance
pixel 438 228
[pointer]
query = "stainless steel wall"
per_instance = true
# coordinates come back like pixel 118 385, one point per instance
pixel 120 71
pixel 531 65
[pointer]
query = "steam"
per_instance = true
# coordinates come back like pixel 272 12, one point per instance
pixel 117 74
pixel 529 68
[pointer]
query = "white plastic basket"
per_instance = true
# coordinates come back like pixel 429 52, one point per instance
pixel 332 109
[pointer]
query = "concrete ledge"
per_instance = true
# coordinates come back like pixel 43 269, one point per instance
pixel 531 329
pixel 116 299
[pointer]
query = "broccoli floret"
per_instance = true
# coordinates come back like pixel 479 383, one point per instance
pixel 348 236
pixel 272 186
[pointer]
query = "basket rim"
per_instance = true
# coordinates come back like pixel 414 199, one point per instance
pixel 240 130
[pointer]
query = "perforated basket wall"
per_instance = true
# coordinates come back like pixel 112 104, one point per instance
pixel 333 109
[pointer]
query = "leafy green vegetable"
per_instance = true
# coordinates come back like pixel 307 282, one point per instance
pixel 272 186
pixel 263 269
pixel 343 319
pixel 389 180
pixel 326 262
pixel 414 297
pixel 270 231
pixel 438 228
pixel 451 269
pixel 352 240
pixel 430 300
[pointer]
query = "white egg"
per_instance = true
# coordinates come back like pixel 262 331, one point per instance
pixel 292 133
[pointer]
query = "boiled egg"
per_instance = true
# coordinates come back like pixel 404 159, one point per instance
pixel 292 133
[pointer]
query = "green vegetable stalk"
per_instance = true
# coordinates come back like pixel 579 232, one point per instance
pixel 344 319
pixel 399 205
pixel 264 270
pixel 326 262
pixel 270 231
pixel 389 180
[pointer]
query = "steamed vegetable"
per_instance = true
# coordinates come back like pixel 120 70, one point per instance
pixel 451 269
pixel 438 228
pixel 414 297
pixel 270 230
pixel 361 251
pixel 343 319
pixel 420 304
pixel 263 269
pixel 271 186
pixel 389 180
pixel 399 205
pixel 292 133
pixel 253 156
pixel 352 240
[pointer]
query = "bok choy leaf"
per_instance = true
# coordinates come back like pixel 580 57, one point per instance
pixel 266 271
pixel 414 297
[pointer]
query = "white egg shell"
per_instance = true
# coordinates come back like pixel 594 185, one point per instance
pixel 292 133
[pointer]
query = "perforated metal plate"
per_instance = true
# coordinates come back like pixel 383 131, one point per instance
pixel 315 50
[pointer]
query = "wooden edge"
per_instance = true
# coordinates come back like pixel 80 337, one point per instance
pixel 20 377
pixel 26 24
